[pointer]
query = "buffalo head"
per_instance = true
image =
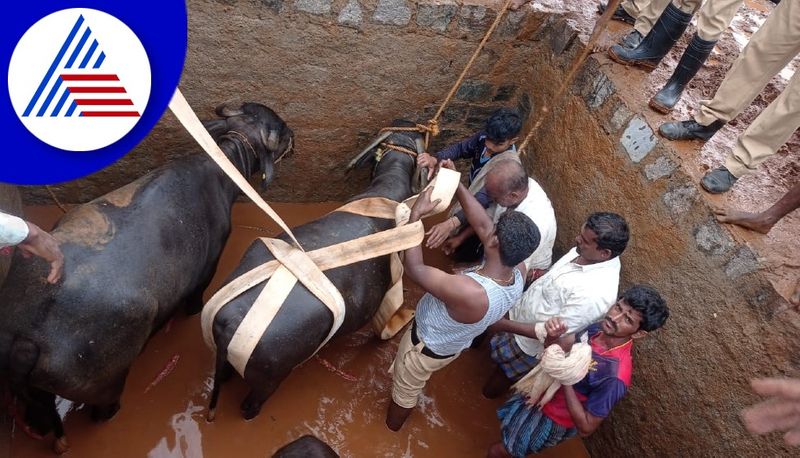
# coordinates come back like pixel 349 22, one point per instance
pixel 266 133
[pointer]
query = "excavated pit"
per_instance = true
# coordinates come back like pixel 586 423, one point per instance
pixel 337 71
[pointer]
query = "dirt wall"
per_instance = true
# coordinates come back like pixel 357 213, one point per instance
pixel 691 378
pixel 337 72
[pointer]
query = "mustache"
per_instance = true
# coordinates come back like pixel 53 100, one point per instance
pixel 612 324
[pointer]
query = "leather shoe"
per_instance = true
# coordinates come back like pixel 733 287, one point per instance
pixel 689 130
pixel 718 181
pixel 619 15
pixel 631 40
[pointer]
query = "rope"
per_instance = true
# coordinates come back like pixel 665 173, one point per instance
pixel 432 129
pixel 55 199
pixel 599 27
pixel 470 62
pixel 399 148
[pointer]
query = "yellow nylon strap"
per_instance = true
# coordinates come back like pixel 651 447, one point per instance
pixel 350 252
pixel 181 109
pixel 259 317
pixel 292 264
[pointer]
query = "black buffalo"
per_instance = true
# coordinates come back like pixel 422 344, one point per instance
pixel 303 322
pixel 132 257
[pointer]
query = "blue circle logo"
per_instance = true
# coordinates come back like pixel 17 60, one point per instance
pixel 86 85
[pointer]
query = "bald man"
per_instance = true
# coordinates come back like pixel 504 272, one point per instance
pixel 507 187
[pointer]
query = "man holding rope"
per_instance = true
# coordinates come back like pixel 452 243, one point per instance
pixel 531 422
pixel 457 308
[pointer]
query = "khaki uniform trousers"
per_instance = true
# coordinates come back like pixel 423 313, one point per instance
pixel 714 18
pixel 770 49
pixel 411 370
pixel 635 7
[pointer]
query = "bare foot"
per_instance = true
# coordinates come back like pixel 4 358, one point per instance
pixel 753 221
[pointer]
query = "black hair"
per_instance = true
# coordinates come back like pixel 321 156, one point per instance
pixel 518 237
pixel 611 230
pixel 504 124
pixel 646 300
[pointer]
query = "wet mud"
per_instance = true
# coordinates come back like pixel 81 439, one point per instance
pixel 341 397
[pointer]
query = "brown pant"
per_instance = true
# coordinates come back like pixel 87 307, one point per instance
pixel 770 49
pixel 411 370
pixel 714 18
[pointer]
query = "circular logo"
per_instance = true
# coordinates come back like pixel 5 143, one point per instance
pixel 87 81
pixel 79 79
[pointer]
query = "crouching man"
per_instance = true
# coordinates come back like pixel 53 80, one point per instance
pixel 457 308
pixel 579 409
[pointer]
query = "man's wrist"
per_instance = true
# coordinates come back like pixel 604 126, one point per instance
pixel 455 222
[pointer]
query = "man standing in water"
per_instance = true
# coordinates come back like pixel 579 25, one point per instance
pixel 579 409
pixel 579 288
pixel 457 308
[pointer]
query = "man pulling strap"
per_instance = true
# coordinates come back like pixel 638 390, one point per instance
pixel 457 308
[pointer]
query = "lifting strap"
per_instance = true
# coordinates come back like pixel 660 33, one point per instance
pixel 292 265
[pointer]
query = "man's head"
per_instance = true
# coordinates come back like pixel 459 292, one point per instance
pixel 507 183
pixel 604 236
pixel 502 129
pixel 516 237
pixel 638 311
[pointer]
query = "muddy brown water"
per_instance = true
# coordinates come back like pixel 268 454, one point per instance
pixel 167 419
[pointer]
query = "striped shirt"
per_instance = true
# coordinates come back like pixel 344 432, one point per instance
pixel 446 336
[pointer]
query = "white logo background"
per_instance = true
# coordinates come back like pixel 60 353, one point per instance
pixel 34 54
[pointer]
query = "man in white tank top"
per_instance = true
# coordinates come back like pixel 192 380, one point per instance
pixel 456 308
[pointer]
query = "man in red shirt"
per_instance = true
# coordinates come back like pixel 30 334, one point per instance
pixel 579 409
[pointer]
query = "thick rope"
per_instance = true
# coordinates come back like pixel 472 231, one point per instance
pixel 55 199
pixel 599 27
pixel 432 129
pixel 460 79
pixel 399 148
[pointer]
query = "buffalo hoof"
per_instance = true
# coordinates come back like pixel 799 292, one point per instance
pixel 250 410
pixel 60 445
pixel 104 412
pixel 211 415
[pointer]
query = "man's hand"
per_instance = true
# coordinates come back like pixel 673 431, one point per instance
pixel 426 160
pixel 44 245
pixel 423 205
pixel 779 413
pixel 447 164
pixel 440 232
pixel 555 327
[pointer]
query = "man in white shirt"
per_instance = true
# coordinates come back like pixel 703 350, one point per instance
pixel 579 288
pixel 32 240
pixel 507 186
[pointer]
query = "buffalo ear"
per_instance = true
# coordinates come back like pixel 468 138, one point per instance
pixel 216 128
pixel 227 110
pixel 271 140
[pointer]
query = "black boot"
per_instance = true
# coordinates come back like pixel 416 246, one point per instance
pixel 665 32
pixel 619 15
pixel 689 130
pixel 693 58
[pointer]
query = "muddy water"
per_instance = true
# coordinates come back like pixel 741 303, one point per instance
pixel 165 416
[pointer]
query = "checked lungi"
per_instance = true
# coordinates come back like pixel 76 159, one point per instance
pixel 526 429
pixel 514 362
